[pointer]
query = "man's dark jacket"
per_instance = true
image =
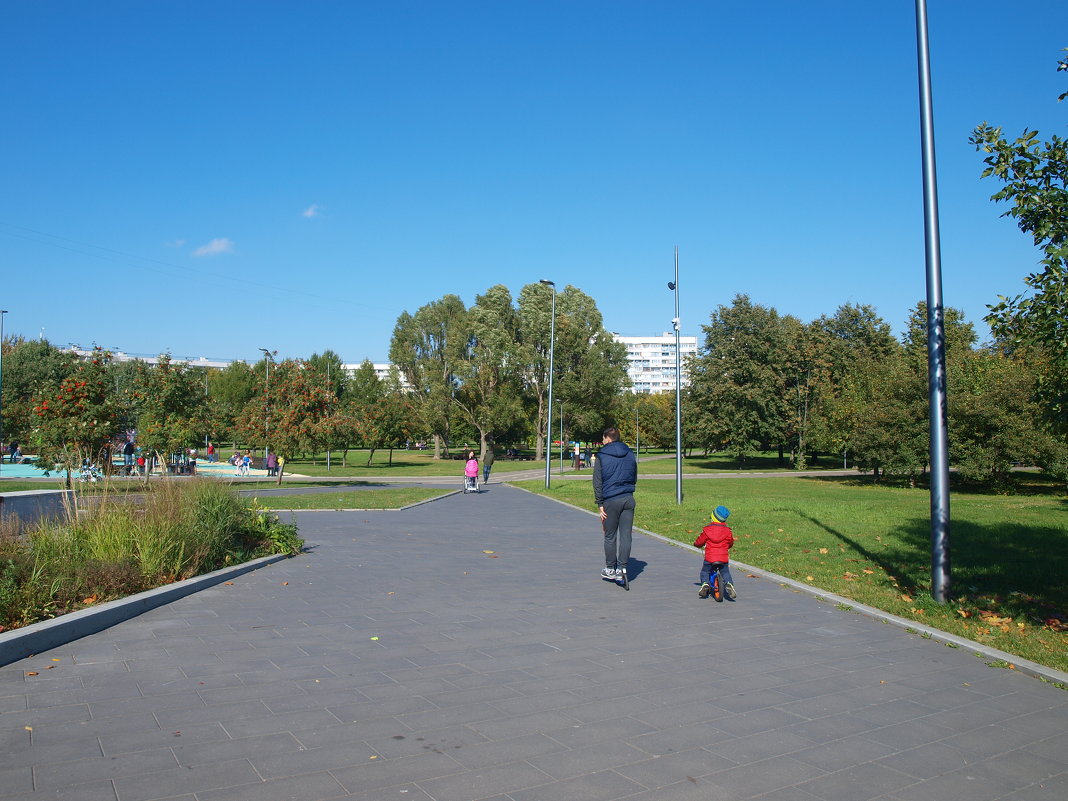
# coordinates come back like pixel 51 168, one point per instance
pixel 615 472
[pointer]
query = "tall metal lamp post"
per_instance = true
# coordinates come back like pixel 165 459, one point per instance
pixel 267 359
pixel 936 333
pixel 2 313
pixel 549 411
pixel 674 287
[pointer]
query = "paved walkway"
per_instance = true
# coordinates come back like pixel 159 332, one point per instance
pixel 465 649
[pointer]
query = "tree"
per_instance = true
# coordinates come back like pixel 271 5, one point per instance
pixel 169 406
pixel 590 365
pixel 31 367
pixel 738 379
pixel 589 368
pixel 1035 178
pixel 488 385
pixel 879 415
pixel 427 348
pixel 229 392
pixel 995 420
pixel 331 371
pixel 76 420
pixel 289 419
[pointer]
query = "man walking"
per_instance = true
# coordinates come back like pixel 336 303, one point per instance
pixel 615 472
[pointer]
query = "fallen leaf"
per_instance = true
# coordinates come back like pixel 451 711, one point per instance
pixel 90 600
pixel 55 660
pixel 823 550
pixel 906 598
pixel 49 667
pixel 487 552
pixel 869 572
pixel 810 578
pixel 917 611
pixel 967 684
pixel 373 756
pixel 389 593
pixel 228 583
pixel 28 728
pixel 881 681
pixel 285 583
pixel 964 613
pixel 750 575
pixel 495 556
pixel 780 531
pixel 374 638
pixel 31 673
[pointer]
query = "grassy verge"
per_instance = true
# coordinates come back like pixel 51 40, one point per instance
pixel 115 548
pixel 392 498
pixel 872 544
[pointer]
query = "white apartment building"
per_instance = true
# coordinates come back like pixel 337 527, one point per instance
pixel 651 361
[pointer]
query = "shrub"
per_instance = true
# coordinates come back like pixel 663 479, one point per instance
pixel 119 546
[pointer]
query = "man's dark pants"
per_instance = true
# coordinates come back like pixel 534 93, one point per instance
pixel 617 530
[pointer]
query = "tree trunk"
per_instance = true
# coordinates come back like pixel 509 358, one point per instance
pixel 437 446
pixel 371 456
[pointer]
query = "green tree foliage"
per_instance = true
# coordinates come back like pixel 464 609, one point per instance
pixel 229 392
pixel 590 365
pixel 330 371
pixel 288 415
pixel 169 406
pixel 77 419
pixel 488 384
pixel 994 419
pixel 1035 178
pixel 879 414
pixel 738 379
pixel 31 367
pixel 427 348
pixel 535 316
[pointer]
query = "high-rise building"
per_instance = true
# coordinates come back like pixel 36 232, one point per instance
pixel 651 361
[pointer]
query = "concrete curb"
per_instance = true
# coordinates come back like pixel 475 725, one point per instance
pixel 1020 664
pixel 33 639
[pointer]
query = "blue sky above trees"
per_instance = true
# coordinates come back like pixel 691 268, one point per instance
pixel 212 178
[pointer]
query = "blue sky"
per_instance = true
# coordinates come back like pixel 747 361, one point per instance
pixel 209 178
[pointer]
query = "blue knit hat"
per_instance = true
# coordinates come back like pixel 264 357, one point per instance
pixel 720 514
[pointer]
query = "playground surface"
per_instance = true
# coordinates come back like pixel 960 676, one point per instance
pixel 465 649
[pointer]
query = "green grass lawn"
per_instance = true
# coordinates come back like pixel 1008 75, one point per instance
pixel 404 463
pixel 872 544
pixel 392 498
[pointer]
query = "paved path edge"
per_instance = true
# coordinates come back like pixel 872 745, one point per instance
pixel 38 637
pixel 1020 664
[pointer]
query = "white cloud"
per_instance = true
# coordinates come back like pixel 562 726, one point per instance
pixel 311 211
pixel 215 247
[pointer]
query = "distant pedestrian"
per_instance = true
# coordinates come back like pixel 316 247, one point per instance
pixel 212 458
pixel 615 474
pixel 272 463
pixel 576 457
pixel 717 539
pixel 487 462
pixel 246 463
pixel 128 451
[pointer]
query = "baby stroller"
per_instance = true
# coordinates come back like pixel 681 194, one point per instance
pixel 471 476
pixel 90 472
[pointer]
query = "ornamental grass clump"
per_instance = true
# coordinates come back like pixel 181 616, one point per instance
pixel 123 545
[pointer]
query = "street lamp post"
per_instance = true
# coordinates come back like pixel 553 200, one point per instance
pixel 2 313
pixel 267 359
pixel 549 410
pixel 674 287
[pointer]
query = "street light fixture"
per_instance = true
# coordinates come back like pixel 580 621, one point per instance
pixel 549 411
pixel 674 287
pixel 267 359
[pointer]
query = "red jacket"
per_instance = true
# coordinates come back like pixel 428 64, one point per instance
pixel 717 539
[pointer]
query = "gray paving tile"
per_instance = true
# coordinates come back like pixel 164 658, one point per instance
pixel 16 780
pixel 388 772
pixel 62 774
pixel 90 791
pixel 198 779
pixel 859 783
pixel 673 768
pixel 309 787
pixel 508 779
pixel 601 786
